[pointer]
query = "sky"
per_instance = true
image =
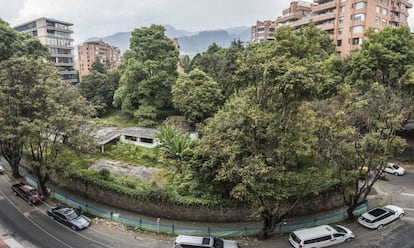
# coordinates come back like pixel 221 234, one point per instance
pixel 99 18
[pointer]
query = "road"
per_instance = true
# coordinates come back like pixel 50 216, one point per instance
pixel 32 228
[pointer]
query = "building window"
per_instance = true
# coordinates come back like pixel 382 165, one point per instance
pixel 378 9
pixel 341 20
pixel 340 31
pixel 384 11
pixel 359 17
pixel 356 41
pixel 360 5
pixel 342 9
pixel 385 2
pixel 377 20
pixel 358 29
pixel 339 43
pixel 384 22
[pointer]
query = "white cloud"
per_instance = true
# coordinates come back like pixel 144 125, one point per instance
pixel 105 17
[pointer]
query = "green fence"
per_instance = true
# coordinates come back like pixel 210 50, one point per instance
pixel 172 229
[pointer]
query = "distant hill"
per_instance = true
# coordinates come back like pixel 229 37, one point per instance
pixel 191 43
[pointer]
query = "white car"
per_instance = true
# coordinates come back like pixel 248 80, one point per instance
pixel 185 241
pixel 394 169
pixel 320 236
pixel 1 169
pixel 377 218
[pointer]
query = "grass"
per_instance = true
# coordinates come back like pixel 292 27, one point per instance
pixel 117 118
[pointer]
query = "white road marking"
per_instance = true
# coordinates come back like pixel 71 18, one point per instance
pixel 12 243
pixel 407 194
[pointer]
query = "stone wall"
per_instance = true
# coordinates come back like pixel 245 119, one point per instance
pixel 198 214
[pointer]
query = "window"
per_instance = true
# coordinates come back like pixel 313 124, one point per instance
pixel 356 41
pixel 377 20
pixel 360 5
pixel 358 29
pixel 359 17
pixel 338 235
pixel 340 31
pixel 384 11
pixel 339 43
pixel 341 20
pixel 384 22
pixel 342 9
pixel 378 9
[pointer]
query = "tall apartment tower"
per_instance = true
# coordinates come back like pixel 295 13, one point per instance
pixel 57 36
pixel 90 52
pixel 346 21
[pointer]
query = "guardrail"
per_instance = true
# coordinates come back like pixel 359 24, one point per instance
pixel 172 229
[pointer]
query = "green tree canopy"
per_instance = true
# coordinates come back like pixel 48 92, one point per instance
pixel 196 95
pixel 148 71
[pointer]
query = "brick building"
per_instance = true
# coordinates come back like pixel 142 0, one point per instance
pixel 345 20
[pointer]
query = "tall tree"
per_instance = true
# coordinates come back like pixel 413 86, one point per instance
pixel 13 43
pixel 49 112
pixel 196 95
pixel 149 70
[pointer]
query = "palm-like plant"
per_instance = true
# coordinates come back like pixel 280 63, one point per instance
pixel 173 143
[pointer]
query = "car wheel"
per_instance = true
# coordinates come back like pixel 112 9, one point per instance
pixel 73 228
pixel 380 227
pixel 396 173
pixel 401 215
pixel 348 239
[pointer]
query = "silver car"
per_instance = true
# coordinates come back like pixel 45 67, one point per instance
pixel 377 218
pixel 394 169
pixel 69 217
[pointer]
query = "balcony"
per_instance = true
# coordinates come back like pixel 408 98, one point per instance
pixel 324 6
pixel 67 72
pixel 293 17
pixel 323 17
pixel 327 26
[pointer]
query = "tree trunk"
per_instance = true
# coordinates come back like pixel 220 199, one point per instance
pixel 268 227
pixel 14 164
pixel 41 180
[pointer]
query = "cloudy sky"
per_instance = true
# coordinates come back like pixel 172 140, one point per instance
pixel 100 18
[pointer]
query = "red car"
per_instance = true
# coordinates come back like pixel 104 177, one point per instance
pixel 28 193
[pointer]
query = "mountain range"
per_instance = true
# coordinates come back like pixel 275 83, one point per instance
pixel 190 42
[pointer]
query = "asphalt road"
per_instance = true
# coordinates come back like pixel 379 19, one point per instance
pixel 32 228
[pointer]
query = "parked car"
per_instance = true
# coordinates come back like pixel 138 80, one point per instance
pixel 320 236
pixel 28 193
pixel 378 217
pixel 1 169
pixel 185 241
pixel 69 217
pixel 394 169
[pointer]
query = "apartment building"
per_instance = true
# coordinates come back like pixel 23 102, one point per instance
pixel 345 20
pixel 91 51
pixel 57 36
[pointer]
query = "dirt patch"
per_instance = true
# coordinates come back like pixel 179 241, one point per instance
pixel 125 169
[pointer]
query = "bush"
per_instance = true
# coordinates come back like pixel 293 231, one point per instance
pixel 105 173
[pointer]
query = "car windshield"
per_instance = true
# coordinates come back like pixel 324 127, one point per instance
pixel 338 229
pixel 32 192
pixel 395 167
pixel 72 215
pixel 218 243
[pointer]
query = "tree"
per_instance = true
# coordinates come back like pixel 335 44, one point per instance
pixel 196 95
pixel 148 71
pixel 256 143
pixel 13 43
pixel 173 144
pixel 99 89
pixel 48 112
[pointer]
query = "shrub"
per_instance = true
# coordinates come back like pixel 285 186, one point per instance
pixel 105 173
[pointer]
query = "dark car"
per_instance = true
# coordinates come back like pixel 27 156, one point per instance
pixel 69 217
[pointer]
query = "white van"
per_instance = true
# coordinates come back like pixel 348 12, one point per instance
pixel 185 241
pixel 320 236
